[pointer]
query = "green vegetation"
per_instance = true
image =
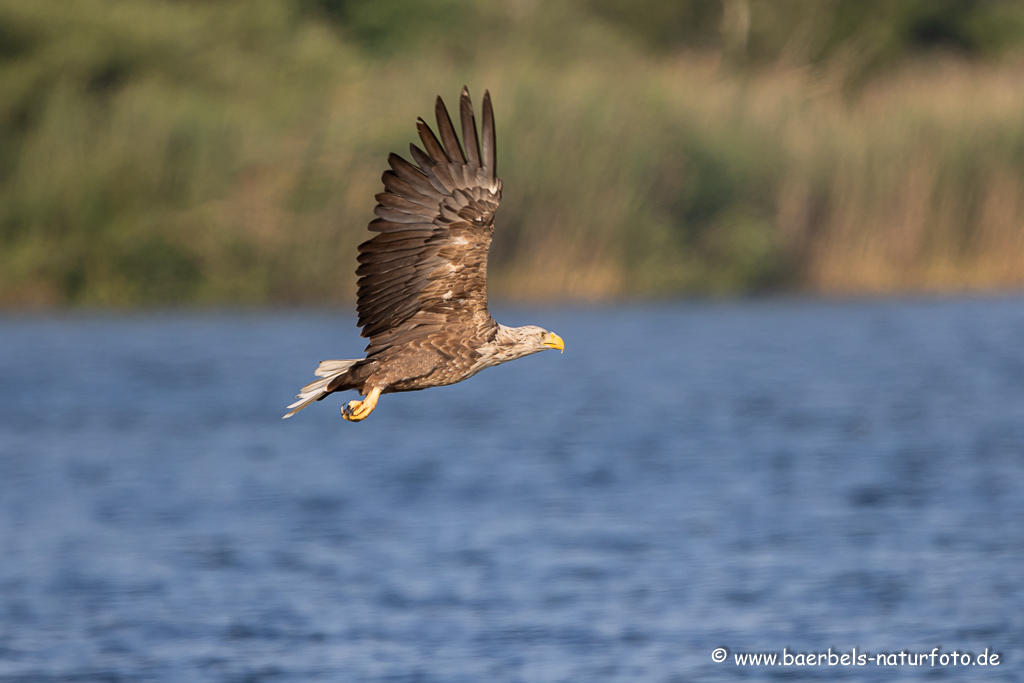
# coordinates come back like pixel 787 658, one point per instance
pixel 215 151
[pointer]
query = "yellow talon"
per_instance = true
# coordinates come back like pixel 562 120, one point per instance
pixel 356 411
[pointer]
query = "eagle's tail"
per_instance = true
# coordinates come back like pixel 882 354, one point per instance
pixel 328 371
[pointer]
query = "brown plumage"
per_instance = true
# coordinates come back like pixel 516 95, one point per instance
pixel 422 299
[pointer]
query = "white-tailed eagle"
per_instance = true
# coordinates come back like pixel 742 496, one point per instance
pixel 422 298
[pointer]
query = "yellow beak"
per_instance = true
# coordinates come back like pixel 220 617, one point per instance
pixel 553 341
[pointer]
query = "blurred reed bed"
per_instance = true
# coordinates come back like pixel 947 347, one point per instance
pixel 228 152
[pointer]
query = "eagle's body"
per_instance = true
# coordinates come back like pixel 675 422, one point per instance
pixel 422 297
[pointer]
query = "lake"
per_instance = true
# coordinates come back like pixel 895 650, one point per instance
pixel 752 475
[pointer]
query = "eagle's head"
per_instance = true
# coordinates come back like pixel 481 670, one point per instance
pixel 517 342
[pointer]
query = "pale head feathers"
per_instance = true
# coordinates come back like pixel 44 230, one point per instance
pixel 516 342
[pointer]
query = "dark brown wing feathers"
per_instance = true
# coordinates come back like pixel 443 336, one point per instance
pixel 406 204
pixel 490 151
pixel 469 133
pixel 416 178
pixel 426 269
pixel 447 131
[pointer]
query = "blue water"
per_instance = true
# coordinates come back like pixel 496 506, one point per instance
pixel 755 476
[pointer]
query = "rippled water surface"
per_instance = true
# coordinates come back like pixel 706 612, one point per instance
pixel 749 475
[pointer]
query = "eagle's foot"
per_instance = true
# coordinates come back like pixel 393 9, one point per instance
pixel 356 411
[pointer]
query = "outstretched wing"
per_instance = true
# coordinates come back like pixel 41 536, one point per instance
pixel 426 270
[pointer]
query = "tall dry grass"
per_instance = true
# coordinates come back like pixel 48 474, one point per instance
pixel 229 152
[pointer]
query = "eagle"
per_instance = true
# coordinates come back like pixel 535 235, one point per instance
pixel 422 288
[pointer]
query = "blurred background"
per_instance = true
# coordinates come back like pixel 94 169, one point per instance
pixel 157 152
pixel 834 463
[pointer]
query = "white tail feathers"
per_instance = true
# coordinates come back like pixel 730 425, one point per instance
pixel 328 371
